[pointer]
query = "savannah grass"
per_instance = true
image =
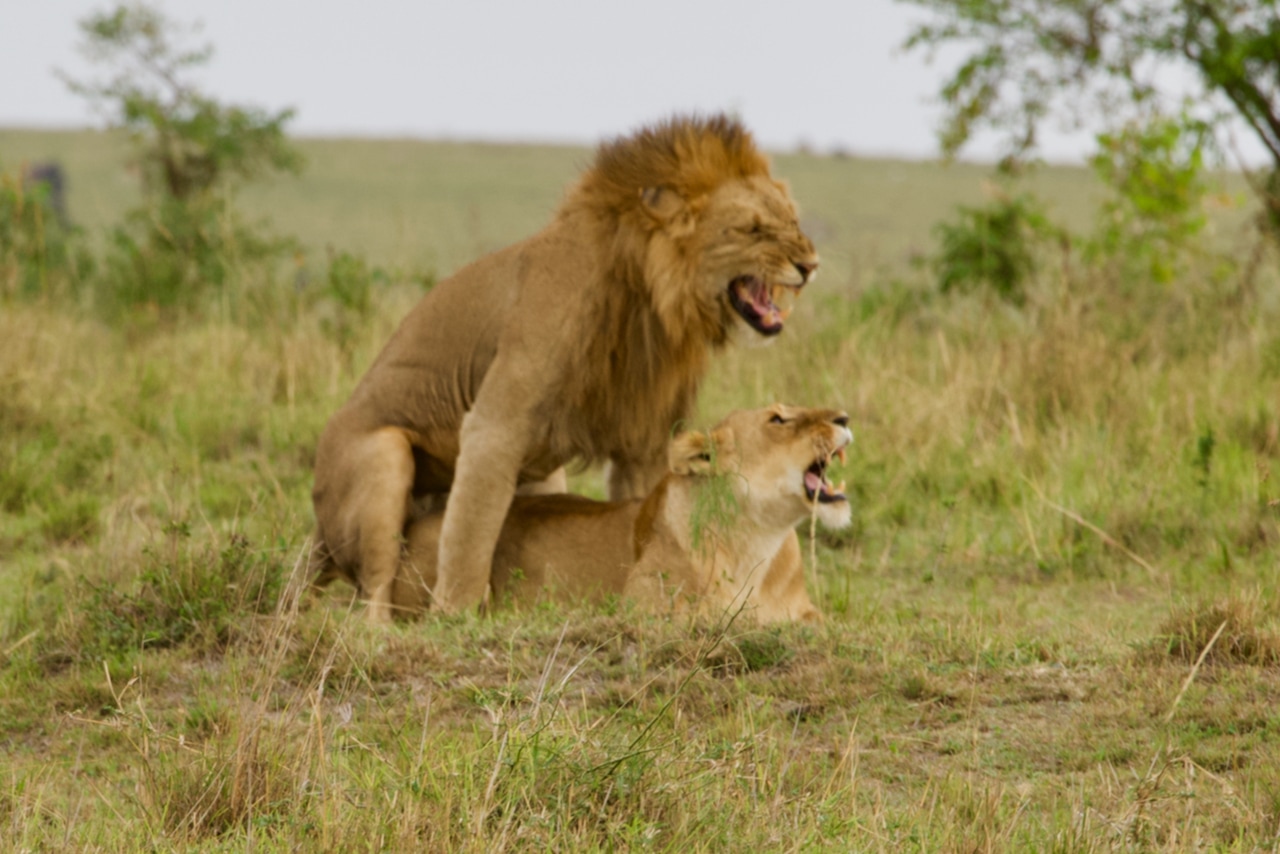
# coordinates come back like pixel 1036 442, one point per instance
pixel 1052 625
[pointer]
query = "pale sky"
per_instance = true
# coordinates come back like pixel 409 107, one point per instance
pixel 823 72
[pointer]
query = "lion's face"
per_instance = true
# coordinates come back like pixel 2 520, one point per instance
pixel 777 458
pixel 739 249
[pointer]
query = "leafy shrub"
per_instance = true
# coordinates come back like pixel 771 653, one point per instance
pixel 1156 173
pixel 182 595
pixel 350 282
pixel 171 252
pixel 992 246
pixel 38 254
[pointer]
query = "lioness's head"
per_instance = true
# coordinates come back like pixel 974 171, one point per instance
pixel 775 460
pixel 716 240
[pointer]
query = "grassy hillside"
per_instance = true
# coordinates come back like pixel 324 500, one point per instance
pixel 1053 626
pixel 437 205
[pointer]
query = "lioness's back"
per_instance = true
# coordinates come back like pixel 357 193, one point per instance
pixel 566 546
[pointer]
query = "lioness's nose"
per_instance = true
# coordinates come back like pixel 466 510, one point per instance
pixel 806 269
pixel 841 420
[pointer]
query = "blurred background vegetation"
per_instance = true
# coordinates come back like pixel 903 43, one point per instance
pixel 1064 384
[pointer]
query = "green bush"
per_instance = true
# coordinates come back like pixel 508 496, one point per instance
pixel 992 246
pixel 1156 173
pixel 183 595
pixel 38 255
pixel 170 253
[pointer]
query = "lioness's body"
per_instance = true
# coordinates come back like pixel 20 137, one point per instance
pixel 586 341
pixel 575 549
pixel 563 546
pixel 758 570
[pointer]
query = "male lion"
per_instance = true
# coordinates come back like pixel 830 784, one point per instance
pixel 772 462
pixel 585 342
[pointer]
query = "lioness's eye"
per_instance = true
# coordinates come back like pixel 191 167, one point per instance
pixel 777 419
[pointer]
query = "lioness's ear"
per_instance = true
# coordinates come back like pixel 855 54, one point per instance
pixel 690 453
pixel 700 453
pixel 661 203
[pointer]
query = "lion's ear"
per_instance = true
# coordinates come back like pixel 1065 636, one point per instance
pixel 691 454
pixel 662 203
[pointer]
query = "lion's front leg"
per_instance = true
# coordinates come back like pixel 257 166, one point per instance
pixel 556 483
pixel 628 479
pixel 492 451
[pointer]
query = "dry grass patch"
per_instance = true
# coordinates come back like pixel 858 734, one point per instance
pixel 1235 626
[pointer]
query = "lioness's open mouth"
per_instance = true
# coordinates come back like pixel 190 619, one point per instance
pixel 816 484
pixel 758 303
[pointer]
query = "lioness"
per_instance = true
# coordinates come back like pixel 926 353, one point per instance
pixel 584 342
pixel 773 462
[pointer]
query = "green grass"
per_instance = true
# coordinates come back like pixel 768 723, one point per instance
pixel 438 205
pixel 1053 624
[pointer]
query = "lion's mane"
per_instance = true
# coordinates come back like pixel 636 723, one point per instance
pixel 641 372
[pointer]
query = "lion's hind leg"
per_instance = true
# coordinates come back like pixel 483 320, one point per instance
pixel 377 505
pixel 321 568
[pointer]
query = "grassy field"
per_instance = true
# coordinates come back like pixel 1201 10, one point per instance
pixel 437 205
pixel 1054 625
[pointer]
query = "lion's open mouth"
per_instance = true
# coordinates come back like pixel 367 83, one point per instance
pixel 765 307
pixel 816 485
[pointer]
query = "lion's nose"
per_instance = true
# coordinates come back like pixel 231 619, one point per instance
pixel 806 269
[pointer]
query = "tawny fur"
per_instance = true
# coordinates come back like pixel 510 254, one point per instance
pixel 573 549
pixel 563 547
pixel 584 342
pixel 750 563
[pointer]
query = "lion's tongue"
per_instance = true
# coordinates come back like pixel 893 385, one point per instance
pixel 763 305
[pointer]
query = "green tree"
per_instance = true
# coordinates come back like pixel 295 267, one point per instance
pixel 188 143
pixel 193 153
pixel 1032 59
pixel 1156 170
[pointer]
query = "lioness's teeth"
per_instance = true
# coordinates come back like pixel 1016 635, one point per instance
pixel 844 458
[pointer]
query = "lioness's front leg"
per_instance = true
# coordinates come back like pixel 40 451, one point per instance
pixel 783 587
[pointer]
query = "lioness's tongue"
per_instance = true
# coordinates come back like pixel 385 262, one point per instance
pixel 812 482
